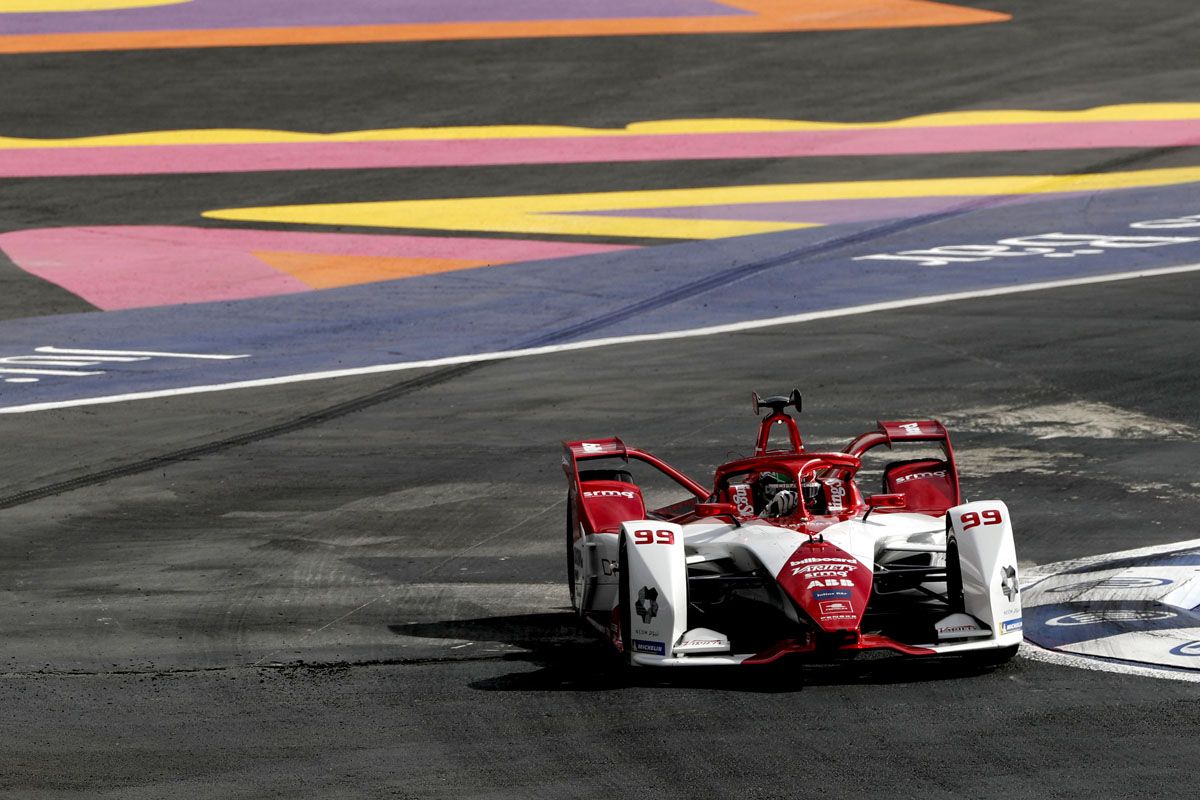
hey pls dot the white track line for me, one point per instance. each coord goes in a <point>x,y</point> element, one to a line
<point>614,340</point>
<point>1034,653</point>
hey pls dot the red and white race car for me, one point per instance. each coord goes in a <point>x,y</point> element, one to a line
<point>784,555</point>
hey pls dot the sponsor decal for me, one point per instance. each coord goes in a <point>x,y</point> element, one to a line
<point>959,629</point>
<point>837,491</point>
<point>1189,649</point>
<point>702,643</point>
<point>1119,615</point>
<point>1118,582</point>
<point>1010,625</point>
<point>592,447</point>
<point>832,594</point>
<point>820,570</point>
<point>1008,583</point>
<point>1190,221</point>
<point>1045,245</point>
<point>647,646</point>
<point>647,603</point>
<point>609,493</point>
<point>824,567</point>
<point>837,616</point>
<point>916,476</point>
<point>820,584</point>
<point>741,498</point>
<point>911,428</point>
<point>829,607</point>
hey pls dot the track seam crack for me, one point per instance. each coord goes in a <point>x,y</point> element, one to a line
<point>311,419</point>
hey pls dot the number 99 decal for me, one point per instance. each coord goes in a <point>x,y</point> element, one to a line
<point>653,537</point>
<point>989,517</point>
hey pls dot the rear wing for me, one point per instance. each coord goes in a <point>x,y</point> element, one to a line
<point>580,452</point>
<point>892,432</point>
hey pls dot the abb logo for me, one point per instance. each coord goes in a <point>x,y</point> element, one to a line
<point>973,520</point>
<point>653,537</point>
<point>912,428</point>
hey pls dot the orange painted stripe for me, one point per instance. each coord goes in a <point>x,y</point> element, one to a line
<point>323,271</point>
<point>767,16</point>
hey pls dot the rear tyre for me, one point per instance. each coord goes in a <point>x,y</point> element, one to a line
<point>623,601</point>
<point>572,524</point>
<point>620,475</point>
<point>954,581</point>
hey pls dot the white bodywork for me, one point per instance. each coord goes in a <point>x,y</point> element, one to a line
<point>657,556</point>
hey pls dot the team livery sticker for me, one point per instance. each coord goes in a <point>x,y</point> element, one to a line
<point>646,646</point>
<point>646,606</point>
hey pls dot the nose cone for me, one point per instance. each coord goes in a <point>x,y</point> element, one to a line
<point>830,585</point>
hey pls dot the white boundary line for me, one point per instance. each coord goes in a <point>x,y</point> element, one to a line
<point>1034,653</point>
<point>734,327</point>
<point>1034,575</point>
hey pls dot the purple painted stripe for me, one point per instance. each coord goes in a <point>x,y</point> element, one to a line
<point>834,212</point>
<point>201,14</point>
<point>140,160</point>
<point>474,311</point>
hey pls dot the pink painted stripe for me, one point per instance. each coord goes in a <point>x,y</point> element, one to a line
<point>116,266</point>
<point>159,159</point>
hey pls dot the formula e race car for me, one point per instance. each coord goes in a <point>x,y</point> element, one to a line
<point>784,555</point>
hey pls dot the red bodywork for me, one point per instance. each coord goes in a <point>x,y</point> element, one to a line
<point>828,584</point>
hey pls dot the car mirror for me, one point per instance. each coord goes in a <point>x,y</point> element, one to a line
<point>887,501</point>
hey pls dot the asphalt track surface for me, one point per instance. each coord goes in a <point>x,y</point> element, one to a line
<point>352,588</point>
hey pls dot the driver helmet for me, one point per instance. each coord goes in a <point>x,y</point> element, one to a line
<point>811,490</point>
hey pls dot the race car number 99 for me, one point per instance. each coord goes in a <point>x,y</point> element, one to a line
<point>653,537</point>
<point>971,519</point>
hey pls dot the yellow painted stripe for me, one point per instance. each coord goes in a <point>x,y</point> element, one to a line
<point>44,6</point>
<point>566,214</point>
<point>1145,112</point>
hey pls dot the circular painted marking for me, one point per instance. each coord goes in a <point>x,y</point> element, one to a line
<point>1135,610</point>
<point>1112,583</point>
<point>44,6</point>
<point>1097,617</point>
<point>1189,649</point>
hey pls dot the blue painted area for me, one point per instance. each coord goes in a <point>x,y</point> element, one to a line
<point>570,300</point>
<point>1062,624</point>
<point>1183,558</point>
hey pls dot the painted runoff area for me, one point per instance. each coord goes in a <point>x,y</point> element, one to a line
<point>691,289</point>
<point>1134,612</point>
